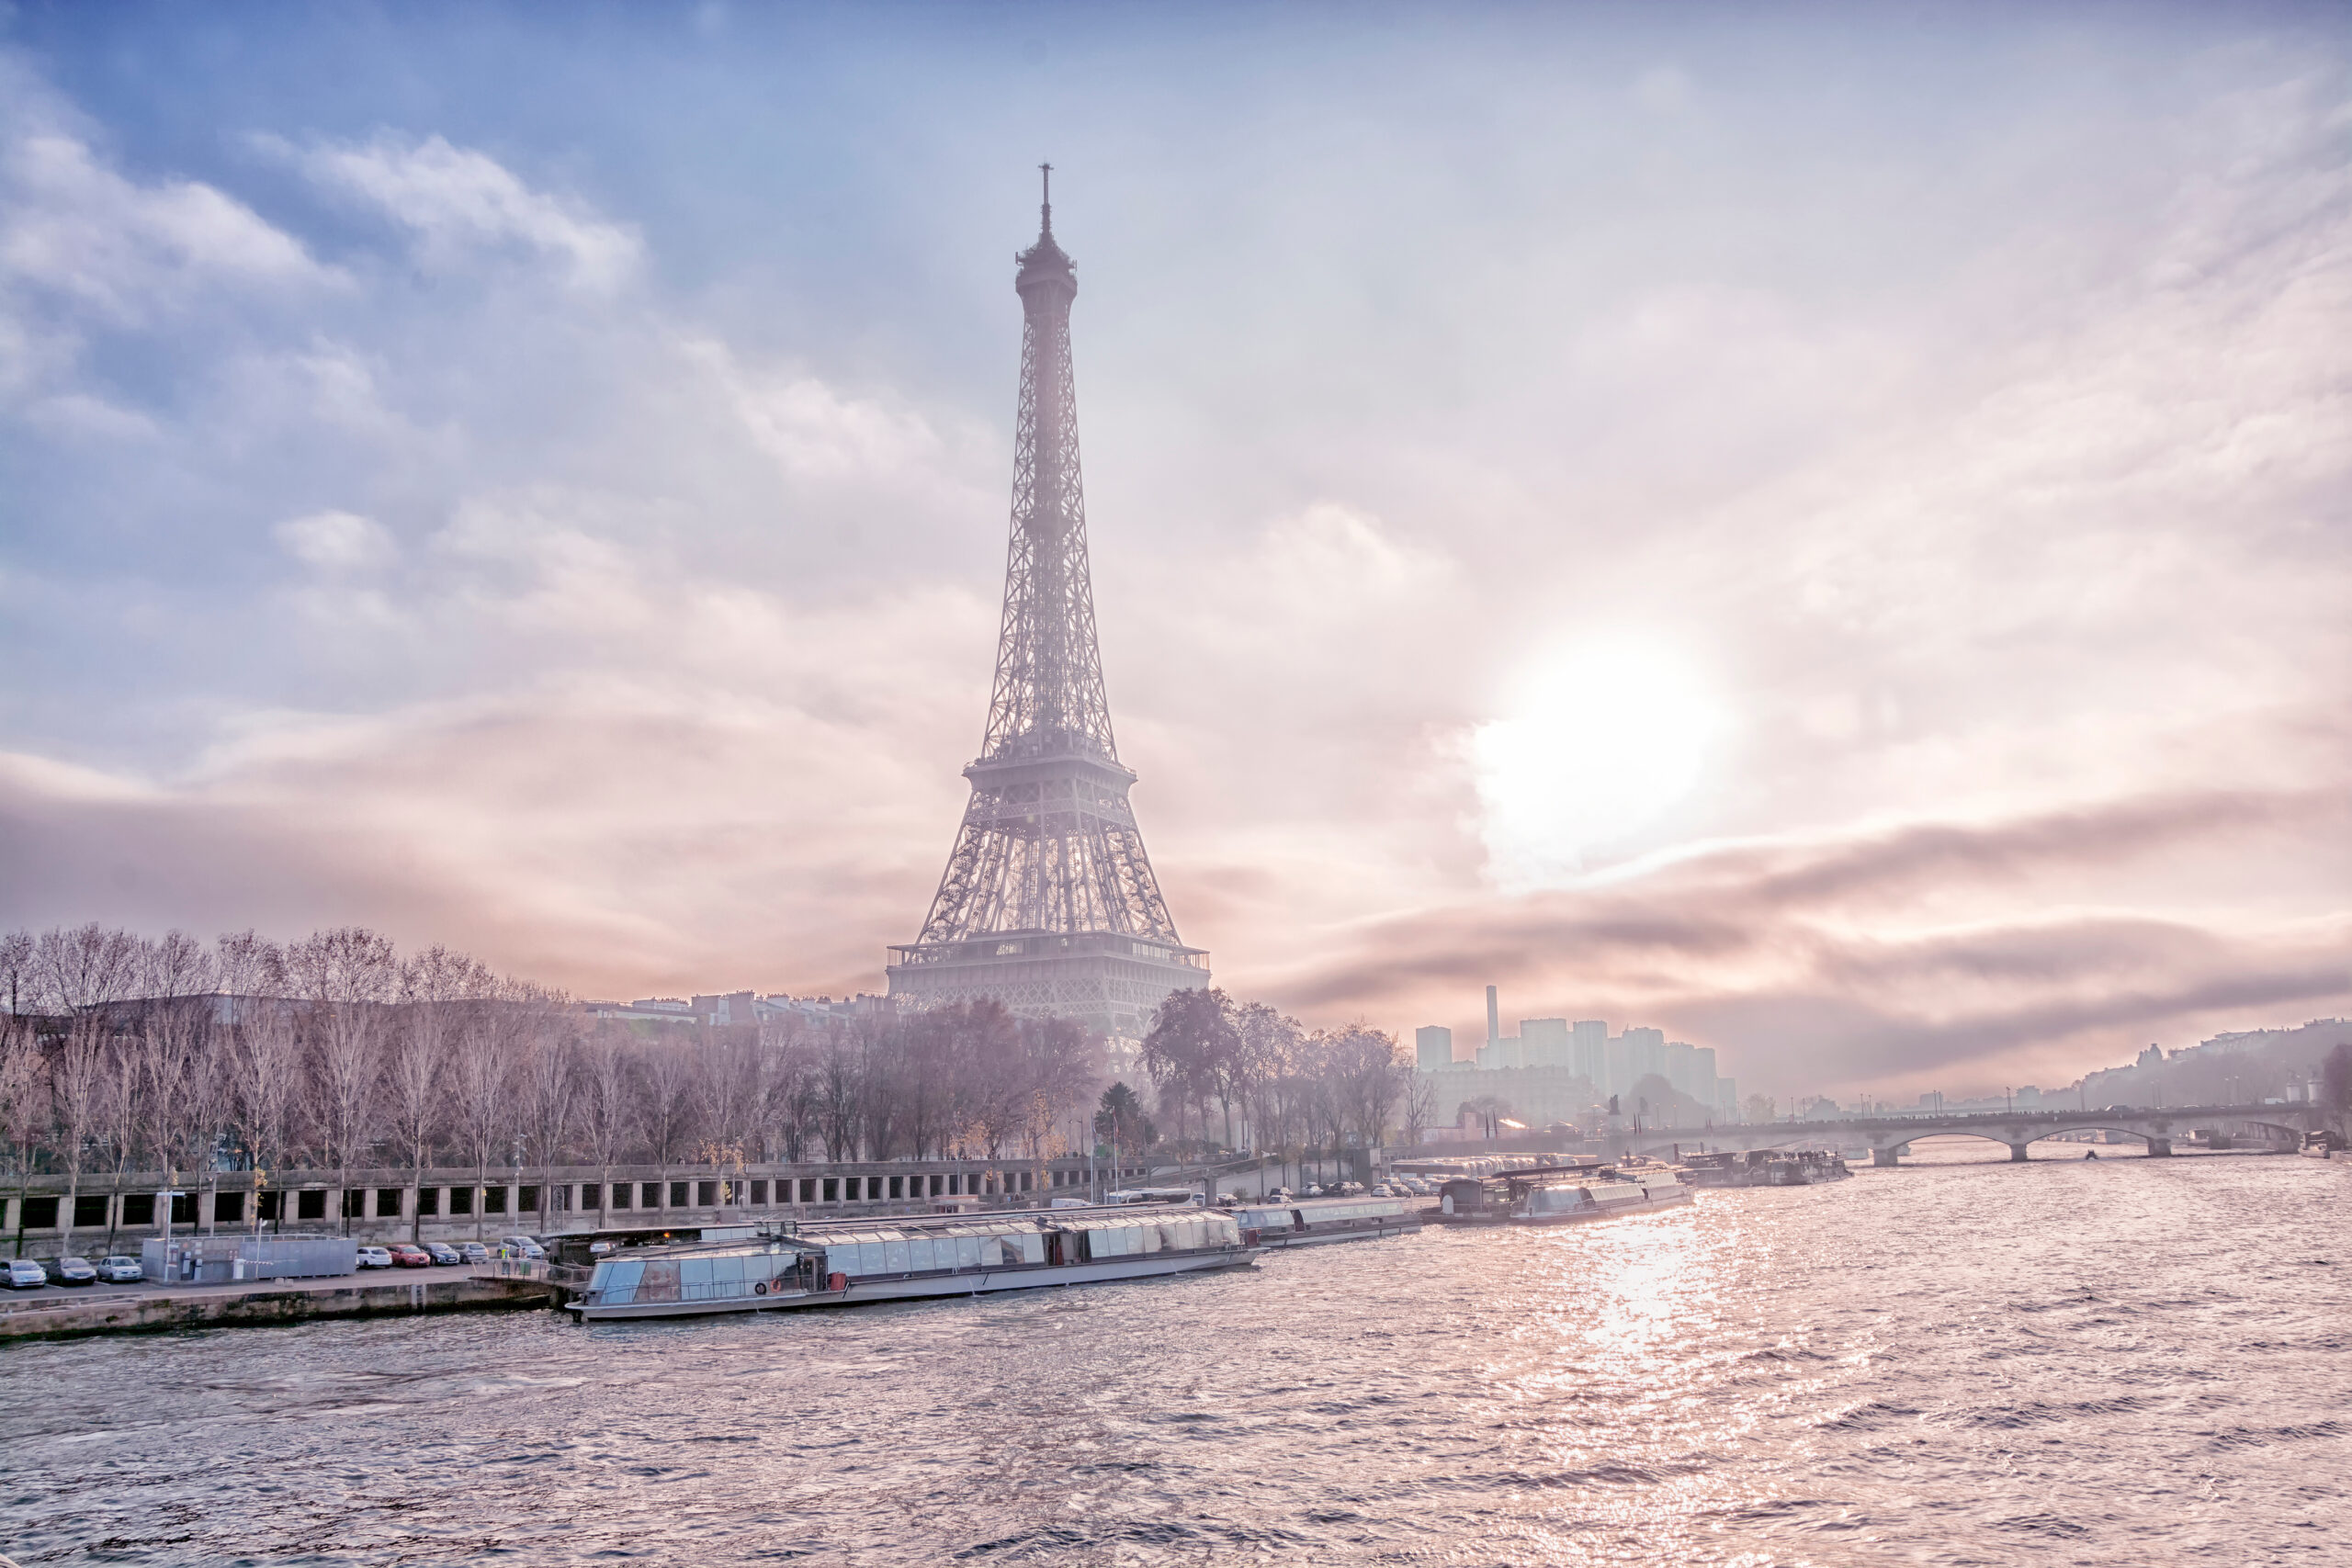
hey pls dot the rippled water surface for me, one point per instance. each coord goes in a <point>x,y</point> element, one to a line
<point>2128,1361</point>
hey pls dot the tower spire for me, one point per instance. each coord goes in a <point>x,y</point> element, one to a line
<point>1048,902</point>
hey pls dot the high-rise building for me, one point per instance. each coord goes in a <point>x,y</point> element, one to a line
<point>1048,902</point>
<point>1543,1042</point>
<point>1433,1047</point>
<point>1682,1067</point>
<point>1616,1077</point>
<point>1644,1055</point>
<point>1588,1050</point>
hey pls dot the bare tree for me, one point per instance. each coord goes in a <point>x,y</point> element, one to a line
<point>262,1054</point>
<point>490,1036</point>
<point>840,1086</point>
<point>1420,1109</point>
<point>666,1071</point>
<point>24,1103</point>
<point>344,978</point>
<point>609,1098</point>
<point>550,1084</point>
<point>83,972</point>
<point>1190,1048</point>
<point>793,1090</point>
<point>435,988</point>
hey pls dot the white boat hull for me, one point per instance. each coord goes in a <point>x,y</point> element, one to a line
<point>1036,1277</point>
<point>1280,1240</point>
<point>1583,1217</point>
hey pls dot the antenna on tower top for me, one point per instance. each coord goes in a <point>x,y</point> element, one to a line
<point>1046,210</point>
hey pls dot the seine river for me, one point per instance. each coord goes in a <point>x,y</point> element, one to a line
<point>2126,1362</point>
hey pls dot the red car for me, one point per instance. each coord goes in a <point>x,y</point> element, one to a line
<point>407,1257</point>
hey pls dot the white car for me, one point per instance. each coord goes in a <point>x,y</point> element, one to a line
<point>521,1246</point>
<point>26,1274</point>
<point>120,1270</point>
<point>374,1257</point>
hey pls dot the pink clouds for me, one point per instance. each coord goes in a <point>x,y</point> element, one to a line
<point>1978,514</point>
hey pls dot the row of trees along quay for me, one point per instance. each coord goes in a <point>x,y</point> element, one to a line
<point>122,1056</point>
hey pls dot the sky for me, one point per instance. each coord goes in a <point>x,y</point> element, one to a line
<point>1820,529</point>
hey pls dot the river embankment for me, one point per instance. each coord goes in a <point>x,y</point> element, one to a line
<point>56,1314</point>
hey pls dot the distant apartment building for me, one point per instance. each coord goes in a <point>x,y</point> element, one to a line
<point>1544,1042</point>
<point>1556,1070</point>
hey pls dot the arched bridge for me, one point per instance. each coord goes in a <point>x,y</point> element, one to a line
<point>1887,1136</point>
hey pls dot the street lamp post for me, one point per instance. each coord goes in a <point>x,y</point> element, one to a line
<point>168,1196</point>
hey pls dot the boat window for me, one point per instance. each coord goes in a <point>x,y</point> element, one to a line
<point>615,1283</point>
<point>694,1271</point>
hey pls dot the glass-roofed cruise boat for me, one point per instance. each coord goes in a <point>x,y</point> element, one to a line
<point>843,1262</point>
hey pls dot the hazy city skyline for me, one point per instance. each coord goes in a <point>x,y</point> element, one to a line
<point>1823,534</point>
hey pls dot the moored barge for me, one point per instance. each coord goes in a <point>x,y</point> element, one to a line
<point>1766,1168</point>
<point>1558,1196</point>
<point>1311,1222</point>
<point>846,1263</point>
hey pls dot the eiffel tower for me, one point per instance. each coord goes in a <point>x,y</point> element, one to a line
<point>1048,903</point>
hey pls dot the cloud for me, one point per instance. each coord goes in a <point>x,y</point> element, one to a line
<point>76,228</point>
<point>1834,959</point>
<point>460,203</point>
<point>86,249</point>
<point>609,582</point>
<point>337,542</point>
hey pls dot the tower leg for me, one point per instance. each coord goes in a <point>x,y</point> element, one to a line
<point>2017,1154</point>
<point>1884,1158</point>
<point>2159,1148</point>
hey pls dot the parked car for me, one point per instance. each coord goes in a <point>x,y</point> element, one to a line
<point>473,1252</point>
<point>441,1253</point>
<point>521,1246</point>
<point>374,1257</point>
<point>407,1257</point>
<point>120,1270</point>
<point>26,1274</point>
<point>69,1270</point>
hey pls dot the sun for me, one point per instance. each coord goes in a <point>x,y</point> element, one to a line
<point>1603,735</point>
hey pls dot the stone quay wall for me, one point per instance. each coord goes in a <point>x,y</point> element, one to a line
<point>116,1216</point>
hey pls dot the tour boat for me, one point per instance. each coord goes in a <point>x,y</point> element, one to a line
<point>846,1263</point>
<point>1557,1196</point>
<point>1310,1222</point>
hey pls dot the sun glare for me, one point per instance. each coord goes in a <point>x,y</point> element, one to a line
<point>1603,738</point>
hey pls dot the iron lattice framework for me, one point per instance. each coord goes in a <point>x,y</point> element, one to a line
<point>1048,902</point>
